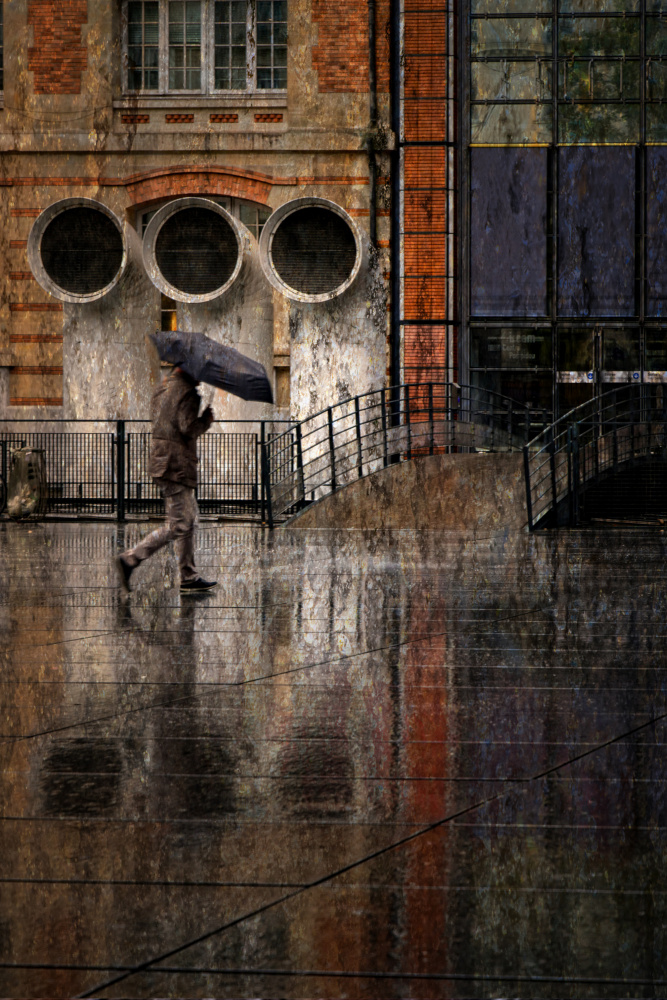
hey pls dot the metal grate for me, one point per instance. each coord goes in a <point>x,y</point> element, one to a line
<point>82,250</point>
<point>196,250</point>
<point>314,251</point>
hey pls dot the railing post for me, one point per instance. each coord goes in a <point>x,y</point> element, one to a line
<point>266,482</point>
<point>357,423</point>
<point>407,421</point>
<point>383,405</point>
<point>331,449</point>
<point>430,417</point>
<point>120,470</point>
<point>299,465</point>
<point>575,473</point>
<point>552,466</point>
<point>262,443</point>
<point>529,498</point>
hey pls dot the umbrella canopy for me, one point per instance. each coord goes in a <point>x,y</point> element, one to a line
<point>205,360</point>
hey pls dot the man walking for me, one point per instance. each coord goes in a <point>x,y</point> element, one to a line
<point>173,466</point>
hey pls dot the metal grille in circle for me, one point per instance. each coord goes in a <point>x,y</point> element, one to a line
<point>81,250</point>
<point>196,250</point>
<point>314,250</point>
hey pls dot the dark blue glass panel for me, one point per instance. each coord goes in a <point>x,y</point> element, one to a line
<point>508,233</point>
<point>596,231</point>
<point>656,231</point>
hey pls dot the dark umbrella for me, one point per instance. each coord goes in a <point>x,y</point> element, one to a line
<point>207,361</point>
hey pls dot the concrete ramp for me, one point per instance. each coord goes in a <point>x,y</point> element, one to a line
<point>474,491</point>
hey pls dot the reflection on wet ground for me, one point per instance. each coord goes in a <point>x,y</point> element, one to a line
<point>367,765</point>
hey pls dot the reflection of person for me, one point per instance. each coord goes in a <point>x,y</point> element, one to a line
<point>173,466</point>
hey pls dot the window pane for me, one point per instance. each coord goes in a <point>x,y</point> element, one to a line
<point>176,34</point>
<point>598,6</point>
<point>656,231</point>
<point>134,57</point>
<point>656,81</point>
<point>511,123</point>
<point>263,10</point>
<point>656,36</point>
<point>192,58</point>
<point>152,80</point>
<point>598,36</point>
<point>193,79</point>
<point>656,122</point>
<point>134,11</point>
<point>620,349</point>
<point>134,34</point>
<point>193,34</point>
<point>264,79</point>
<point>134,79</point>
<point>598,80</point>
<point>239,11</point>
<point>263,34</point>
<point>193,11</point>
<point>511,81</point>
<point>151,12</point>
<point>512,37</point>
<point>222,57</point>
<point>176,10</point>
<point>280,32</point>
<point>238,34</point>
<point>238,79</point>
<point>280,79</point>
<point>598,123</point>
<point>280,57</point>
<point>263,57</point>
<point>176,79</point>
<point>238,58</point>
<point>656,350</point>
<point>151,34</point>
<point>280,10</point>
<point>575,350</point>
<point>511,6</point>
<point>509,347</point>
<point>151,57</point>
<point>175,57</point>
<point>596,231</point>
<point>222,34</point>
<point>508,235</point>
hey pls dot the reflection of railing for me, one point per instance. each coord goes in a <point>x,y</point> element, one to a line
<point>342,443</point>
<point>626,424</point>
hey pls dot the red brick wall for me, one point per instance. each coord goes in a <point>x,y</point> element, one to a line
<point>57,57</point>
<point>341,54</point>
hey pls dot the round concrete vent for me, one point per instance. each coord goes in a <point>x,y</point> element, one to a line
<point>193,249</point>
<point>310,250</point>
<point>76,250</point>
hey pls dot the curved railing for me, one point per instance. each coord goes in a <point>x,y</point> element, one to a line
<point>359,436</point>
<point>620,426</point>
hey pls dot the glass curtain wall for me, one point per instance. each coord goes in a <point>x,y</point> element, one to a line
<point>567,184</point>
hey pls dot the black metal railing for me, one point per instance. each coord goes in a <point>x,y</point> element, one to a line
<point>100,468</point>
<point>269,470</point>
<point>359,436</point>
<point>624,425</point>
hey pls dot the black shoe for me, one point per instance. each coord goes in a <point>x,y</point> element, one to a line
<point>125,571</point>
<point>198,585</point>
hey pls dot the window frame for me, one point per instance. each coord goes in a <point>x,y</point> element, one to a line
<point>207,89</point>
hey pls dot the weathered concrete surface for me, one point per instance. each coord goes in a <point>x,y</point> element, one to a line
<point>338,348</point>
<point>434,491</point>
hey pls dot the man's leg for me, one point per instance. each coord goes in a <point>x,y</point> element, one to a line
<point>181,511</point>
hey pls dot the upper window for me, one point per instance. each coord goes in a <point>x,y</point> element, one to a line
<point>205,46</point>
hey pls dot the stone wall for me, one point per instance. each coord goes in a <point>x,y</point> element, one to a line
<point>453,492</point>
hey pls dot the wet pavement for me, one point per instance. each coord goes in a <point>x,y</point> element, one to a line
<point>369,764</point>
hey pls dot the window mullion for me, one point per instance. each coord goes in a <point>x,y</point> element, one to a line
<point>251,48</point>
<point>164,47</point>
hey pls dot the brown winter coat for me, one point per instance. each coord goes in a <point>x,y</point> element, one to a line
<point>176,427</point>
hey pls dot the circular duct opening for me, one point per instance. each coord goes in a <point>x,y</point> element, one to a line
<point>193,249</point>
<point>311,250</point>
<point>76,250</point>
